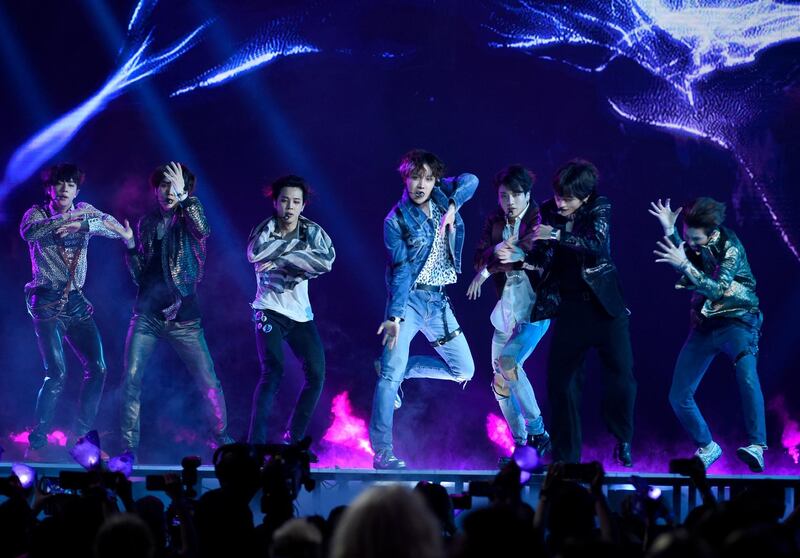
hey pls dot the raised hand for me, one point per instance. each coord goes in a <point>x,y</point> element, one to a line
<point>671,254</point>
<point>125,232</point>
<point>174,175</point>
<point>665,215</point>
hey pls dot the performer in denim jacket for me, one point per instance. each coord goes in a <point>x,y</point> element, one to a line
<point>166,261</point>
<point>58,236</point>
<point>424,236</point>
<point>500,255</point>
<point>725,318</point>
<point>287,250</point>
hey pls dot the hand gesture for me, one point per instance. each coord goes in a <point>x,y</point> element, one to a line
<point>542,232</point>
<point>474,290</point>
<point>665,215</point>
<point>125,232</point>
<point>390,332</point>
<point>448,220</point>
<point>71,226</point>
<point>174,176</point>
<point>671,254</point>
<point>509,252</point>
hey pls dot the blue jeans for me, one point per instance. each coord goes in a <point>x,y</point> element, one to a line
<point>519,407</point>
<point>431,314</point>
<point>739,341</point>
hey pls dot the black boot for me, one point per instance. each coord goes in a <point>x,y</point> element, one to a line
<point>622,454</point>
<point>385,459</point>
<point>540,442</point>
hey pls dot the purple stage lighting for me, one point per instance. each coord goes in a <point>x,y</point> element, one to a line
<point>86,451</point>
<point>527,458</point>
<point>25,474</point>
<point>121,464</point>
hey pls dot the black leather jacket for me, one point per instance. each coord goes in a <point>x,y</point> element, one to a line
<point>590,239</point>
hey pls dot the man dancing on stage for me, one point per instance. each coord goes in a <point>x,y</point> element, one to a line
<point>725,318</point>
<point>166,261</point>
<point>424,236</point>
<point>591,312</point>
<point>58,239</point>
<point>287,250</point>
<point>500,256</point>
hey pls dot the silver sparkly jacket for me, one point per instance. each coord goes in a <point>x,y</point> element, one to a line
<point>184,253</point>
<point>725,285</point>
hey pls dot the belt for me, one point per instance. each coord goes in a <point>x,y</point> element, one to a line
<point>430,288</point>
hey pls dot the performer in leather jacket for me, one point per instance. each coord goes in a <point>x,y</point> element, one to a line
<point>725,318</point>
<point>582,290</point>
<point>166,261</point>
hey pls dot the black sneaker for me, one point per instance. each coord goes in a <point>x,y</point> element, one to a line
<point>622,454</point>
<point>540,442</point>
<point>385,459</point>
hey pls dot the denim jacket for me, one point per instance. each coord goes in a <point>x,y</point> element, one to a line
<point>184,253</point>
<point>725,286</point>
<point>408,235</point>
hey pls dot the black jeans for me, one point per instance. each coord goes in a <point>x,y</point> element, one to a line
<point>582,324</point>
<point>72,321</point>
<point>303,338</point>
<point>189,341</point>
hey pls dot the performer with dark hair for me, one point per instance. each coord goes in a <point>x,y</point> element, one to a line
<point>500,254</point>
<point>424,236</point>
<point>58,239</point>
<point>166,261</point>
<point>584,286</point>
<point>287,250</point>
<point>725,318</point>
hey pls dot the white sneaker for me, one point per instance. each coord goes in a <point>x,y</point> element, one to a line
<point>709,454</point>
<point>753,456</point>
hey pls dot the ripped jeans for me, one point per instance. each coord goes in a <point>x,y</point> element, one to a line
<point>430,313</point>
<point>515,395</point>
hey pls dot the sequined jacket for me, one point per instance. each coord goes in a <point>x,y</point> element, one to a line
<point>47,249</point>
<point>184,253</point>
<point>725,285</point>
<point>590,239</point>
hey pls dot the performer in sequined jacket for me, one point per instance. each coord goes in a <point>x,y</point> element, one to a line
<point>166,260</point>
<point>58,234</point>
<point>725,318</point>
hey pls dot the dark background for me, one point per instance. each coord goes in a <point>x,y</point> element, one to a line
<point>342,118</point>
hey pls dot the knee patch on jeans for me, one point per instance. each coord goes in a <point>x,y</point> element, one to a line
<point>500,388</point>
<point>508,369</point>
